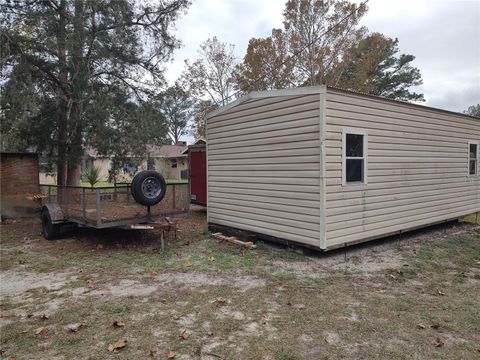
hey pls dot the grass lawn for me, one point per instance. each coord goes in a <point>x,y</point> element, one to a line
<point>201,299</point>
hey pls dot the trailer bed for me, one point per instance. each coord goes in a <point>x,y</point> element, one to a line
<point>111,206</point>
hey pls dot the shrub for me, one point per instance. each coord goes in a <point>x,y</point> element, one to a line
<point>92,174</point>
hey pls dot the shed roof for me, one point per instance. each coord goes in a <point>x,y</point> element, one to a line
<point>308,90</point>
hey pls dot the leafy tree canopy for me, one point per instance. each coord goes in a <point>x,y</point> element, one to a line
<point>322,43</point>
<point>86,67</point>
<point>473,110</point>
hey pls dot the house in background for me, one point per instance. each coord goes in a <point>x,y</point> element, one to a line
<point>169,160</point>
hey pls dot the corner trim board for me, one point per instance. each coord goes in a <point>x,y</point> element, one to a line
<point>323,180</point>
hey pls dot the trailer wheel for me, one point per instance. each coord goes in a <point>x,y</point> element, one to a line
<point>50,230</point>
<point>148,187</point>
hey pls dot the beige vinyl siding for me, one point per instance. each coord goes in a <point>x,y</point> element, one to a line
<point>417,168</point>
<point>264,166</point>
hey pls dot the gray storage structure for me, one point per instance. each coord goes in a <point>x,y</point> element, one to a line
<point>326,167</point>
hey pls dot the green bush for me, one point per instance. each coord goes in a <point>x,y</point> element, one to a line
<point>92,175</point>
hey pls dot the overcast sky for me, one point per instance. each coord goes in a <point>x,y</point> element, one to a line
<point>444,35</point>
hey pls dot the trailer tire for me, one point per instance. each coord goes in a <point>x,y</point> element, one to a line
<point>50,231</point>
<point>148,187</point>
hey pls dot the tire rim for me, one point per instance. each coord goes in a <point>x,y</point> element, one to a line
<point>151,187</point>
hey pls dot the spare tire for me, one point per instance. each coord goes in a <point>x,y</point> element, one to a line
<point>148,187</point>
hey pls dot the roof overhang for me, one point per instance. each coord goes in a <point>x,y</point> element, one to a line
<point>320,89</point>
<point>307,90</point>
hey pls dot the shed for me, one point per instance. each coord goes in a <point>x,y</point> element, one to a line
<point>18,183</point>
<point>197,171</point>
<point>325,167</point>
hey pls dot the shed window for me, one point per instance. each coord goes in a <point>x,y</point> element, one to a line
<point>174,163</point>
<point>472,159</point>
<point>354,158</point>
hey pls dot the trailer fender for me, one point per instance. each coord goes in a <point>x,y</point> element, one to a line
<point>55,211</point>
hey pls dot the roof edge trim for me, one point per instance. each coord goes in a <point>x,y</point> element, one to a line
<point>307,90</point>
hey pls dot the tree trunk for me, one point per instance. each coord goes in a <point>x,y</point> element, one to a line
<point>62,102</point>
<point>74,175</point>
<point>79,77</point>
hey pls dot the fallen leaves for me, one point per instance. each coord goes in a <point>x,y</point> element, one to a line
<point>184,335</point>
<point>153,273</point>
<point>440,292</point>
<point>438,342</point>
<point>187,264</point>
<point>118,323</point>
<point>6,314</point>
<point>75,327</point>
<point>289,303</point>
<point>171,355</point>
<point>40,330</point>
<point>421,326</point>
<point>211,258</point>
<point>118,345</point>
<point>220,300</point>
<point>209,333</point>
<point>44,317</point>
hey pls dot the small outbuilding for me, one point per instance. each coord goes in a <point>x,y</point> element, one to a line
<point>325,168</point>
<point>197,171</point>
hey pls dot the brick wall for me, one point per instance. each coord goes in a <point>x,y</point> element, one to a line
<point>18,177</point>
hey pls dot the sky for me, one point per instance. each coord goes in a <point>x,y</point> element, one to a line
<point>443,35</point>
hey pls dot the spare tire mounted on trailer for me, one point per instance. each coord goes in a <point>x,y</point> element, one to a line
<point>148,187</point>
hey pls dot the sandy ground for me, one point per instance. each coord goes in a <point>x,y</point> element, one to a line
<point>269,303</point>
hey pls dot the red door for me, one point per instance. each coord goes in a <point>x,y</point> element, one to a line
<point>198,177</point>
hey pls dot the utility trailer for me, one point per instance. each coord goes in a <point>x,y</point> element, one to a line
<point>147,199</point>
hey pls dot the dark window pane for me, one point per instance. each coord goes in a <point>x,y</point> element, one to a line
<point>354,170</point>
<point>472,167</point>
<point>354,145</point>
<point>473,151</point>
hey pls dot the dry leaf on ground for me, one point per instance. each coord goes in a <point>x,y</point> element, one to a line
<point>440,292</point>
<point>209,333</point>
<point>438,342</point>
<point>211,258</point>
<point>118,345</point>
<point>184,335</point>
<point>220,299</point>
<point>187,264</point>
<point>40,330</point>
<point>421,326</point>
<point>75,327</point>
<point>44,317</point>
<point>118,323</point>
<point>289,303</point>
<point>171,355</point>
<point>6,314</point>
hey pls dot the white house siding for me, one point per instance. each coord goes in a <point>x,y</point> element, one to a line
<point>264,166</point>
<point>417,168</point>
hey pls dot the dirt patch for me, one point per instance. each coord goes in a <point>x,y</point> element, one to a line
<point>14,283</point>
<point>372,256</point>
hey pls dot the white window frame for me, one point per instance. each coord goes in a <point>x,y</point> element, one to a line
<point>355,131</point>
<point>470,142</point>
